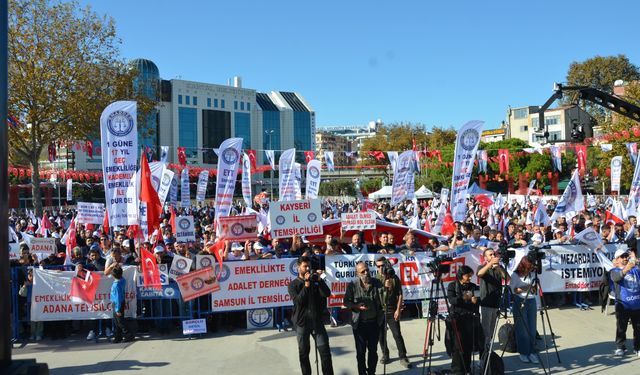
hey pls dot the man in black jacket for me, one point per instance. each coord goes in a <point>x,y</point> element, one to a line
<point>309,294</point>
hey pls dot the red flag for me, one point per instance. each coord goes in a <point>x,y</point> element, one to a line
<point>150,272</point>
<point>89,145</point>
<point>484,200</point>
<point>438,153</point>
<point>503,159</point>
<point>253,159</point>
<point>44,225</point>
<point>379,155</point>
<point>581,153</point>
<point>84,286</point>
<point>52,151</point>
<point>448,227</point>
<point>70,240</point>
<point>427,225</point>
<point>89,226</point>
<point>217,249</point>
<point>105,223</point>
<point>149,196</point>
<point>308,156</point>
<point>133,231</point>
<point>413,144</point>
<point>610,218</point>
<point>182,156</point>
<point>172,220</point>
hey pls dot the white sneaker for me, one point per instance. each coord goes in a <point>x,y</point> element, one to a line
<point>108,332</point>
<point>91,336</point>
<point>619,352</point>
<point>533,358</point>
<point>524,358</point>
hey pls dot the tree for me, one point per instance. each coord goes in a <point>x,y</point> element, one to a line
<point>63,71</point>
<point>600,72</point>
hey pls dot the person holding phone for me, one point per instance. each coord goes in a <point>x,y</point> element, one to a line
<point>364,298</point>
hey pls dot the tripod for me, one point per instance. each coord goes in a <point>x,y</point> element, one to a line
<point>502,312</point>
<point>437,287</point>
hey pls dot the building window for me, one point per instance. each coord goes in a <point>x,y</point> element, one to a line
<point>209,102</point>
<point>195,100</point>
<point>242,106</point>
<point>188,100</point>
<point>524,128</point>
<point>215,103</point>
<point>552,120</point>
<point>248,106</point>
<point>520,113</point>
<point>179,99</point>
<point>221,103</point>
<point>243,129</point>
<point>187,129</point>
<point>235,105</point>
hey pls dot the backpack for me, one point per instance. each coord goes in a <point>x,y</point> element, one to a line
<point>507,337</point>
<point>496,366</point>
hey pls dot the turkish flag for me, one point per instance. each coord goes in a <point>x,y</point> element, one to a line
<point>484,200</point>
<point>89,145</point>
<point>581,153</point>
<point>182,156</point>
<point>150,272</point>
<point>503,159</point>
<point>172,220</point>
<point>308,156</point>
<point>379,155</point>
<point>253,159</point>
<point>45,225</point>
<point>149,195</point>
<point>217,249</point>
<point>610,218</point>
<point>84,286</point>
<point>427,225</point>
<point>105,223</point>
<point>448,227</point>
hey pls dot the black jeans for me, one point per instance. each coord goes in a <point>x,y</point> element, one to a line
<point>122,327</point>
<point>366,336</point>
<point>462,344</point>
<point>394,327</point>
<point>622,320</point>
<point>321,338</point>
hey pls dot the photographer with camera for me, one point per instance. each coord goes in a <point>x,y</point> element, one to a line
<point>309,294</point>
<point>392,305</point>
<point>464,311</point>
<point>524,308</point>
<point>364,298</point>
<point>491,275</point>
<point>625,276</point>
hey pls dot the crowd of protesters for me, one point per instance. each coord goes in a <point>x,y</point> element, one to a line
<point>507,222</point>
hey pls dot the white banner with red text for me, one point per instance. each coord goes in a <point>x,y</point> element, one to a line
<point>51,297</point>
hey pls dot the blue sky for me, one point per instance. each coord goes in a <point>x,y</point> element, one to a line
<point>436,63</point>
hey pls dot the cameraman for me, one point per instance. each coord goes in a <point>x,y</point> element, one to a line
<point>309,294</point>
<point>491,275</point>
<point>392,306</point>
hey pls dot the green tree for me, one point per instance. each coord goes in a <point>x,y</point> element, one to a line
<point>64,70</point>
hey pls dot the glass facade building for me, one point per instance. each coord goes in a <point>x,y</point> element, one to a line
<point>216,127</point>
<point>188,130</point>
<point>243,128</point>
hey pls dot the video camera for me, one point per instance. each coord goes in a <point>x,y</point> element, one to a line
<point>387,270</point>
<point>536,255</point>
<point>504,254</point>
<point>440,264</point>
<point>317,263</point>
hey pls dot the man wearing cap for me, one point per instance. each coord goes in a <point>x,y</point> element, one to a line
<point>236,253</point>
<point>161,256</point>
<point>626,280</point>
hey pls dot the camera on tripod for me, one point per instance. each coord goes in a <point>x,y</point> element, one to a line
<point>504,254</point>
<point>536,255</point>
<point>440,264</point>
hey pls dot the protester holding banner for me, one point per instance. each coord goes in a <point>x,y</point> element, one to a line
<point>626,279</point>
<point>392,303</point>
<point>309,294</point>
<point>524,309</point>
<point>465,321</point>
<point>364,298</point>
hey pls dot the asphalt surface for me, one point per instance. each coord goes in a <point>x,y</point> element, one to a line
<point>584,339</point>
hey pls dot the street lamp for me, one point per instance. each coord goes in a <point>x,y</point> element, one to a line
<point>269,133</point>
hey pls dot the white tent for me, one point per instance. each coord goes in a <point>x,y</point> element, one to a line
<point>423,193</point>
<point>385,192</point>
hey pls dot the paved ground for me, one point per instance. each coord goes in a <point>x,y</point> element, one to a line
<point>585,345</point>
